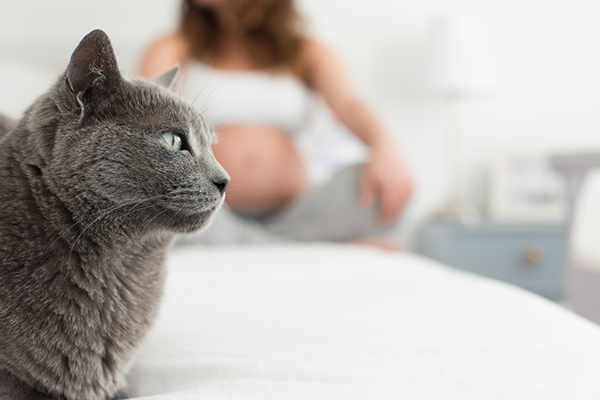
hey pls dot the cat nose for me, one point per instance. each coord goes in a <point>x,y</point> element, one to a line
<point>221,184</point>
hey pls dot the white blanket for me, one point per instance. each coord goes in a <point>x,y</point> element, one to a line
<point>329,322</point>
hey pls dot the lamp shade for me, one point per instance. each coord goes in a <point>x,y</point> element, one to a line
<point>462,61</point>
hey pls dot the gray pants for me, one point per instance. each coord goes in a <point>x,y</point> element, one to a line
<point>330,212</point>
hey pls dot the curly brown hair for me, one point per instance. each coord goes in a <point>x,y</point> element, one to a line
<point>271,29</point>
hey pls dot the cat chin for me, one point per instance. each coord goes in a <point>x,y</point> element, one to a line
<point>185,220</point>
<point>191,223</point>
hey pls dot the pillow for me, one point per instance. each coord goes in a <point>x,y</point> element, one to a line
<point>585,251</point>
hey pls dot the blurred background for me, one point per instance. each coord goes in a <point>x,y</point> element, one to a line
<point>493,152</point>
<point>547,56</point>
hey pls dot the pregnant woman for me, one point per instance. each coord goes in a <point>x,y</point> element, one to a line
<point>249,69</point>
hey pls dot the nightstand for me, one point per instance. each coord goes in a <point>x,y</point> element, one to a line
<point>530,256</point>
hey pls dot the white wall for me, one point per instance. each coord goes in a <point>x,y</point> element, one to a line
<point>548,53</point>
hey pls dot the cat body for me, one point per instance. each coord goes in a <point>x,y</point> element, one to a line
<point>92,194</point>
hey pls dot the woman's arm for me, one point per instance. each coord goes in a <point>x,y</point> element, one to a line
<point>163,55</point>
<point>386,174</point>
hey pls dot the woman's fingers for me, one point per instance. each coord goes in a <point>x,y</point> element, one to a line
<point>390,185</point>
<point>395,193</point>
<point>368,189</point>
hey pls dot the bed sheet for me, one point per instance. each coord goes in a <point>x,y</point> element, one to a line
<point>328,322</point>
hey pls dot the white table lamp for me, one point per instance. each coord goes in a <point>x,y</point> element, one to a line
<point>462,65</point>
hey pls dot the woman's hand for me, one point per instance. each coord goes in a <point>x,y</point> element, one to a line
<point>386,178</point>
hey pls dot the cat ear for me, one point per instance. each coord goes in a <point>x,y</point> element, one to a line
<point>168,79</point>
<point>93,67</point>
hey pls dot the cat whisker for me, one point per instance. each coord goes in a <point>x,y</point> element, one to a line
<point>179,81</point>
<point>212,101</point>
<point>153,218</point>
<point>104,214</point>
<point>170,219</point>
<point>191,87</point>
<point>135,202</point>
<point>201,90</point>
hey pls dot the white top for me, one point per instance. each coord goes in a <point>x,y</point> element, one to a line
<point>246,97</point>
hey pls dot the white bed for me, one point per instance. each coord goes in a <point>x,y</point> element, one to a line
<point>329,322</point>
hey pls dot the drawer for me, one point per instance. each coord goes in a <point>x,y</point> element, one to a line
<point>534,264</point>
<point>532,257</point>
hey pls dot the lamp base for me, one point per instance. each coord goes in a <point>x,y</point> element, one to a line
<point>460,211</point>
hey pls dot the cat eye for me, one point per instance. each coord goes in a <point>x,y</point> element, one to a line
<point>173,140</point>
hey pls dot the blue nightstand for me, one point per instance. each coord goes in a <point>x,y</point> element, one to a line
<point>530,256</point>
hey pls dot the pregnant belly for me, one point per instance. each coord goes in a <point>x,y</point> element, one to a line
<point>265,167</point>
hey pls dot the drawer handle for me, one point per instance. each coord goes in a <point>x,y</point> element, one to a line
<point>533,255</point>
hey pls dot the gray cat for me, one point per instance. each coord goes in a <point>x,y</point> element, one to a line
<point>96,180</point>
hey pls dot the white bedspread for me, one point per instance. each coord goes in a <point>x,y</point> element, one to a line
<point>332,322</point>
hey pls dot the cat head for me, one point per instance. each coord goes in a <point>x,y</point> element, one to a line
<point>126,152</point>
